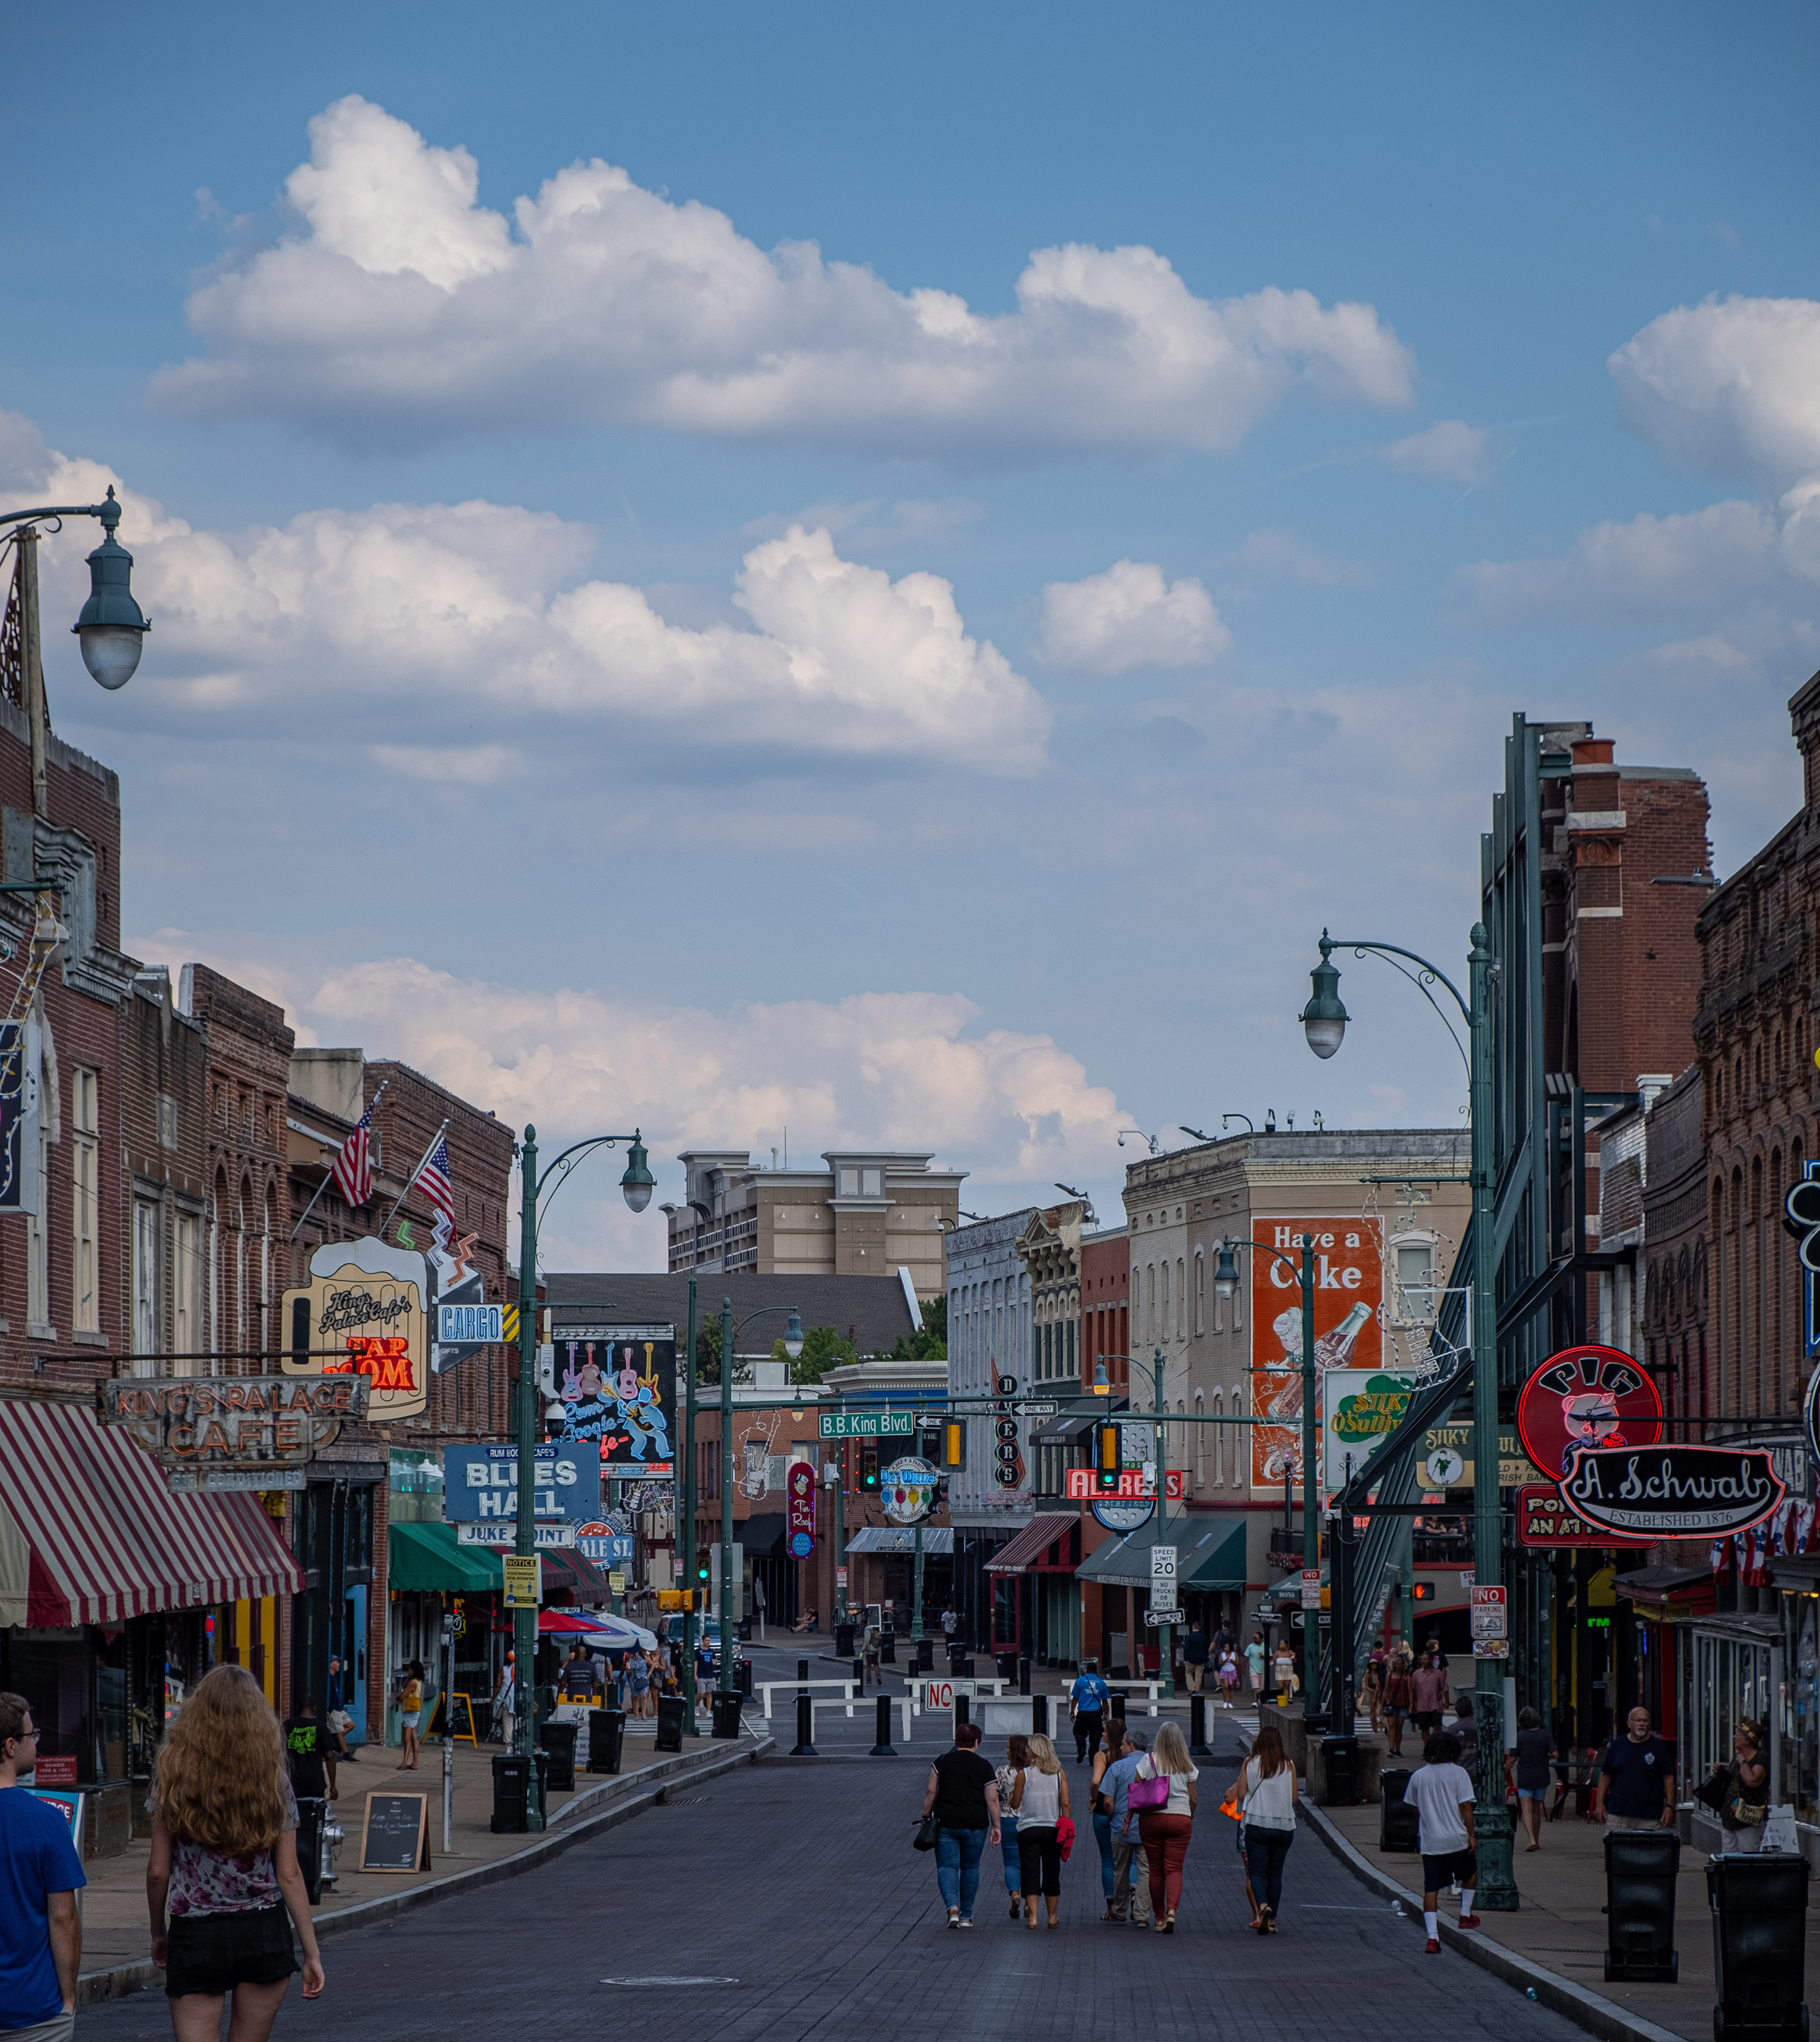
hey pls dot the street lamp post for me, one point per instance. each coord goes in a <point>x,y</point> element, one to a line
<point>1324,1021</point>
<point>1225,1286</point>
<point>637,1185</point>
<point>725,1705</point>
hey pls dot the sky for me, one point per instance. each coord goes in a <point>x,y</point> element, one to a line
<point>792,579</point>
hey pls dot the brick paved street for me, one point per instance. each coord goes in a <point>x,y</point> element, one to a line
<point>795,1880</point>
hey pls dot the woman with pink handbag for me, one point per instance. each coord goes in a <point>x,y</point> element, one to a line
<point>1163,1795</point>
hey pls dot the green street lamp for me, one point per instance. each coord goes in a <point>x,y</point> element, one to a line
<point>1225,1286</point>
<point>1324,1022</point>
<point>536,1192</point>
<point>111,627</point>
<point>726,1702</point>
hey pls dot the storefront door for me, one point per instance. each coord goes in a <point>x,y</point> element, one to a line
<point>354,1661</point>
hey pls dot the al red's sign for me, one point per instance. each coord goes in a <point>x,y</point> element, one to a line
<point>1586,1397</point>
<point>1079,1485</point>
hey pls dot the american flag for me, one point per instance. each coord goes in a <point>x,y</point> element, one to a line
<point>433,1178</point>
<point>352,1168</point>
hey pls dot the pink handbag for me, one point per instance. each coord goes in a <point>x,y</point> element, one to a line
<point>1151,1793</point>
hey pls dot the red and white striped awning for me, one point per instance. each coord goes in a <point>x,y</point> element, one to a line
<point>107,1540</point>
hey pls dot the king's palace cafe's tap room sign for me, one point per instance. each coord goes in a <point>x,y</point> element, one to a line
<point>363,1313</point>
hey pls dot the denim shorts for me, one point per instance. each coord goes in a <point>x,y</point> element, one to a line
<point>213,1953</point>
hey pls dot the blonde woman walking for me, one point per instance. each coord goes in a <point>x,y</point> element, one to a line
<point>224,1874</point>
<point>1039,1799</point>
<point>1164,1791</point>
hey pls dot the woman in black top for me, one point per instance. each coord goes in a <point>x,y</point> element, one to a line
<point>963,1796</point>
<point>1532,1772</point>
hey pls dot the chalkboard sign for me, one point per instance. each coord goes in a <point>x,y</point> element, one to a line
<point>438,1725</point>
<point>396,1835</point>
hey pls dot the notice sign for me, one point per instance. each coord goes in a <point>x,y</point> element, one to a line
<point>394,1835</point>
<point>1490,1613</point>
<point>1311,1588</point>
<point>524,1573</point>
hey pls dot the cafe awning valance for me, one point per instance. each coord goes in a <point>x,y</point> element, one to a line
<point>105,1538</point>
<point>428,1559</point>
<point>1026,1548</point>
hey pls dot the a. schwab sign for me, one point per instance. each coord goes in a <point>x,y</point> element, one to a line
<point>1672,1492</point>
<point>480,1484</point>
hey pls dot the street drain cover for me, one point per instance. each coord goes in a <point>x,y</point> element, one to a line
<point>670,1981</point>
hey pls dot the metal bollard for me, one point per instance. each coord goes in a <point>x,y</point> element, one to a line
<point>1118,1704</point>
<point>1023,1676</point>
<point>963,1710</point>
<point>805,1745</point>
<point>1198,1746</point>
<point>859,1674</point>
<point>802,1675</point>
<point>1039,1715</point>
<point>882,1748</point>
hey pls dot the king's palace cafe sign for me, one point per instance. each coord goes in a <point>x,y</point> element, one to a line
<point>252,1431</point>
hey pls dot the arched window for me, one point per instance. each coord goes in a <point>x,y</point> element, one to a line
<point>1200,1292</point>
<point>1200,1442</point>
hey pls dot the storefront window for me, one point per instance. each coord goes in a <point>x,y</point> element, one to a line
<point>1733,1676</point>
<point>1800,1752</point>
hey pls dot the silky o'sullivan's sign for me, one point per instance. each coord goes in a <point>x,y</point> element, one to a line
<point>362,1313</point>
<point>1672,1492</point>
<point>257,1422</point>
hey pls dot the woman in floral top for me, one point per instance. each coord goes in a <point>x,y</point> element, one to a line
<point>223,1864</point>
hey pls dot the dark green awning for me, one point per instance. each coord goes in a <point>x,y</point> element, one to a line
<point>1209,1557</point>
<point>427,1558</point>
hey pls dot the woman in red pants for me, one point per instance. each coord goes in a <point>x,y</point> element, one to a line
<point>1171,1789</point>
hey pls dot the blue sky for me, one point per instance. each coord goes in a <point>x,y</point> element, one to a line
<point>930,686</point>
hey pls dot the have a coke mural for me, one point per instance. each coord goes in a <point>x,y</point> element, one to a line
<point>1349,1289</point>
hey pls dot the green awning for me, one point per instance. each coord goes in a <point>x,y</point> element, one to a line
<point>1209,1559</point>
<point>428,1558</point>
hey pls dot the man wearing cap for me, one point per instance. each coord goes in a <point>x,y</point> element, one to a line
<point>1087,1705</point>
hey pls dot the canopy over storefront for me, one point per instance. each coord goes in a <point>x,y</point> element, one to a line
<point>1211,1559</point>
<point>1027,1550</point>
<point>428,1559</point>
<point>105,1538</point>
<point>938,1540</point>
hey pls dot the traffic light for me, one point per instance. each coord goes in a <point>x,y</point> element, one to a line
<point>704,1569</point>
<point>953,1442</point>
<point>1108,1457</point>
<point>1424,1592</point>
<point>869,1468</point>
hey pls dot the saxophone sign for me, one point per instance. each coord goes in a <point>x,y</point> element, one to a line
<point>1349,1289</point>
<point>1672,1492</point>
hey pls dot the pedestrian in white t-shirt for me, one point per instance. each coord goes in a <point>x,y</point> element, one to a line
<point>1442,1793</point>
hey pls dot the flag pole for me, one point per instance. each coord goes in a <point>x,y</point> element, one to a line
<point>412,1179</point>
<point>324,1185</point>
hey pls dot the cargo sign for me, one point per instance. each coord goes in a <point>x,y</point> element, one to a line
<point>249,1422</point>
<point>867,1424</point>
<point>1673,1492</point>
<point>480,1484</point>
<point>1543,1520</point>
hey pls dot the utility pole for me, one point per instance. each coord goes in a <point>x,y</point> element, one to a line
<point>685,1530</point>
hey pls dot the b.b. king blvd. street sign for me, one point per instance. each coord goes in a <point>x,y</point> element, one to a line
<point>867,1424</point>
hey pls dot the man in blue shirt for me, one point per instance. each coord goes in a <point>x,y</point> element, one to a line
<point>1130,1865</point>
<point>40,1932</point>
<point>1636,1787</point>
<point>1087,1704</point>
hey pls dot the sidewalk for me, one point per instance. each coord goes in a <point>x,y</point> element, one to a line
<point>1558,1926</point>
<point>117,1936</point>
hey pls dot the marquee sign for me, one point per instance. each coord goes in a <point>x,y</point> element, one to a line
<point>366,1299</point>
<point>618,1387</point>
<point>1673,1492</point>
<point>1585,1396</point>
<point>258,1424</point>
<point>1543,1520</point>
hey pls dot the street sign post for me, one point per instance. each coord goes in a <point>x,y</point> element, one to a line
<point>1311,1588</point>
<point>867,1424</point>
<point>1163,1575</point>
<point>1490,1620</point>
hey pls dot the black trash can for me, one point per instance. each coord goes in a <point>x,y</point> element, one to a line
<point>745,1629</point>
<point>312,1812</point>
<point>606,1738</point>
<point>559,1741</point>
<point>1340,1756</point>
<point>726,1714</point>
<point>1399,1827</point>
<point>511,1784</point>
<point>1006,1663</point>
<point>670,1725</point>
<point>888,1646</point>
<point>1039,1715</point>
<point>1759,1903</point>
<point>844,1641</point>
<point>1641,1869</point>
<point>925,1655</point>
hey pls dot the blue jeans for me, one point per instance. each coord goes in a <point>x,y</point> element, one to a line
<point>1103,1835</point>
<point>957,1853</point>
<point>1265,1850</point>
<point>1008,1845</point>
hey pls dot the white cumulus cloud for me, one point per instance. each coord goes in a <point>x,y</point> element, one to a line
<point>1129,616</point>
<point>1451,449</point>
<point>1730,386</point>
<point>400,308</point>
<point>474,607</point>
